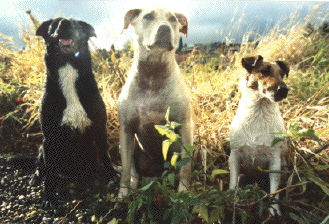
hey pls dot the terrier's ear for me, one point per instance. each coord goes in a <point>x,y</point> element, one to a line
<point>284,67</point>
<point>130,15</point>
<point>183,22</point>
<point>43,28</point>
<point>252,63</point>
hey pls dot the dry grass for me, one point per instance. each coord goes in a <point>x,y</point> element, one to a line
<point>215,92</point>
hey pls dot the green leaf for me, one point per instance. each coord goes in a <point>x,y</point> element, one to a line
<point>132,208</point>
<point>296,218</point>
<point>147,186</point>
<point>113,221</point>
<point>174,125</point>
<point>213,216</point>
<point>183,162</point>
<point>318,181</point>
<point>310,133</point>
<point>190,149</point>
<point>93,218</point>
<point>163,130</point>
<point>167,214</point>
<point>166,165</point>
<point>321,167</point>
<point>174,158</point>
<point>203,211</point>
<point>215,172</point>
<point>165,148</point>
<point>171,179</point>
<point>167,115</point>
<point>243,214</point>
<point>31,214</point>
<point>277,140</point>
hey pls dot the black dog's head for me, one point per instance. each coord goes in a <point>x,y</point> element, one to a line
<point>66,36</point>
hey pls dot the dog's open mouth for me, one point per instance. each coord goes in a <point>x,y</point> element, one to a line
<point>65,42</point>
<point>67,46</point>
<point>161,45</point>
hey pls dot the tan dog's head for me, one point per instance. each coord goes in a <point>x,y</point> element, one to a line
<point>266,78</point>
<point>156,29</point>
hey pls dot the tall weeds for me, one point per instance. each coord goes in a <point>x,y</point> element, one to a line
<point>215,91</point>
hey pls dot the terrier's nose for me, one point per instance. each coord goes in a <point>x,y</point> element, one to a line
<point>282,92</point>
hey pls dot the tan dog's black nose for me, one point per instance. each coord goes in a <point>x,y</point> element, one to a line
<point>163,38</point>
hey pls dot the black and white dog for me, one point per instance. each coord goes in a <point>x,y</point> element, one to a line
<point>73,114</point>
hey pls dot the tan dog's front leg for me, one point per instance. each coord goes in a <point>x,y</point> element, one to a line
<point>185,172</point>
<point>127,152</point>
<point>234,165</point>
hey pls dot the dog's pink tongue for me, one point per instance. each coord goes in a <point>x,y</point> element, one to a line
<point>65,41</point>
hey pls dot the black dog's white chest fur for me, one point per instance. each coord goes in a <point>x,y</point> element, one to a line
<point>74,114</point>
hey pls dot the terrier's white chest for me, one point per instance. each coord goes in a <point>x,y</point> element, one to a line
<point>252,133</point>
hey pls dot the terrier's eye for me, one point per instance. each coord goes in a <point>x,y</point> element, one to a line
<point>149,16</point>
<point>254,85</point>
<point>172,19</point>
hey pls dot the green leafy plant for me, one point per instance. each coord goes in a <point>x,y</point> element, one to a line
<point>295,131</point>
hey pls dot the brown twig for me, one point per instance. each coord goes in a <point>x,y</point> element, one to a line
<point>68,214</point>
<point>276,192</point>
<point>315,152</point>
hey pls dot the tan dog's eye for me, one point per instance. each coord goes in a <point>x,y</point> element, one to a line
<point>149,16</point>
<point>172,19</point>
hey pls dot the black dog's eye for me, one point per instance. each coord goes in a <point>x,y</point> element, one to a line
<point>172,19</point>
<point>149,16</point>
<point>266,71</point>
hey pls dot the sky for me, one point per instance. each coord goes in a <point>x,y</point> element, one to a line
<point>209,20</point>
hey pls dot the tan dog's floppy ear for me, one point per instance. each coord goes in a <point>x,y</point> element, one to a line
<point>284,67</point>
<point>251,63</point>
<point>130,15</point>
<point>183,21</point>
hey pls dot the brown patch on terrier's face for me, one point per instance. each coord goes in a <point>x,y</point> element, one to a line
<point>266,77</point>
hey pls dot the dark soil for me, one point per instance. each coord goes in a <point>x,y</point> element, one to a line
<point>22,203</point>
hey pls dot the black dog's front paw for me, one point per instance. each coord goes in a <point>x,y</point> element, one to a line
<point>36,179</point>
<point>54,206</point>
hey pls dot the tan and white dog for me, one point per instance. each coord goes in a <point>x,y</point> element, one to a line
<point>258,121</point>
<point>153,84</point>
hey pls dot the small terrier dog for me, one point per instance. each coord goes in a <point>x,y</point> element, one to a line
<point>258,121</point>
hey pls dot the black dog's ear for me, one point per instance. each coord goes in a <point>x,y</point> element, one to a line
<point>87,28</point>
<point>43,28</point>
<point>284,67</point>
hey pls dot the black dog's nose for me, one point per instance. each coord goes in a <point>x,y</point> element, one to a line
<point>281,93</point>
